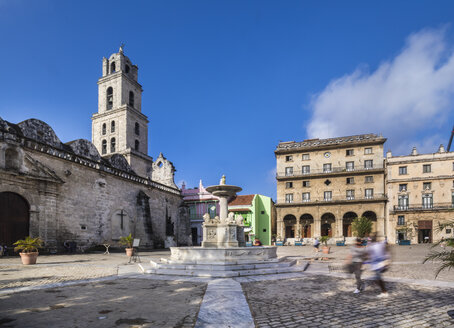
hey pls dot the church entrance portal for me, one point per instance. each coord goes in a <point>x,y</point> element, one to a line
<point>14,218</point>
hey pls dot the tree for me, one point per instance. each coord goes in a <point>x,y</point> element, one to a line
<point>362,226</point>
<point>445,256</point>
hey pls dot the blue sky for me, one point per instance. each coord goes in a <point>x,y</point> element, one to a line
<point>225,81</point>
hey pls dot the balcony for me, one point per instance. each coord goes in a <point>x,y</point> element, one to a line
<point>425,207</point>
<point>335,200</point>
<point>332,171</point>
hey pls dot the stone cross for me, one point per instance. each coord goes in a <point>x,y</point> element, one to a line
<point>121,214</point>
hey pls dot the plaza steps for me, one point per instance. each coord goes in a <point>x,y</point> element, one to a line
<point>222,270</point>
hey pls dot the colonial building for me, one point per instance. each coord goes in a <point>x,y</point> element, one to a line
<point>421,195</point>
<point>91,192</point>
<point>323,184</point>
<point>199,201</point>
<point>258,212</point>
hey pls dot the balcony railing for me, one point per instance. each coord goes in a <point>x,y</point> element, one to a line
<point>335,200</point>
<point>423,207</point>
<point>301,173</point>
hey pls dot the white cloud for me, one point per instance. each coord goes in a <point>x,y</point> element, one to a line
<point>410,93</point>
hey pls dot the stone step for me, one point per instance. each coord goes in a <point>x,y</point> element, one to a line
<point>219,267</point>
<point>211,262</point>
<point>221,274</point>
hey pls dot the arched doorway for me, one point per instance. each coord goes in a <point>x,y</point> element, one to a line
<point>289,223</point>
<point>306,221</point>
<point>328,220</point>
<point>347,223</point>
<point>14,218</point>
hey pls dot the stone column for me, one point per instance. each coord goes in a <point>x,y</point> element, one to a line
<point>223,208</point>
<point>381,228</point>
<point>317,227</point>
<point>298,229</point>
<point>340,227</point>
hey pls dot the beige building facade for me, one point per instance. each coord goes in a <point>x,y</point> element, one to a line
<point>323,184</point>
<point>420,190</point>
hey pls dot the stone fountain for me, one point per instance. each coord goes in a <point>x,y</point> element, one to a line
<point>223,252</point>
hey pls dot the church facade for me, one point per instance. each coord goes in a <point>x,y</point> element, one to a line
<point>91,192</point>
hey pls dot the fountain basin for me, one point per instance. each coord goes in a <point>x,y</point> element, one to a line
<point>222,254</point>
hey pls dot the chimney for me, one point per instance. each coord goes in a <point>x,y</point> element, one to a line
<point>414,152</point>
<point>441,149</point>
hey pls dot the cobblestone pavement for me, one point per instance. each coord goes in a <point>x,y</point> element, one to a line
<point>52,269</point>
<point>323,301</point>
<point>117,303</point>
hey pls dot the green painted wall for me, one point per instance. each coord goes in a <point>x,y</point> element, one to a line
<point>262,213</point>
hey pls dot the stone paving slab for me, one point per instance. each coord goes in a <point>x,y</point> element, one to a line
<point>114,303</point>
<point>325,301</point>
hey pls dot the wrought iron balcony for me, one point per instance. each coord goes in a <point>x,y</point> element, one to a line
<point>423,207</point>
<point>334,170</point>
<point>337,200</point>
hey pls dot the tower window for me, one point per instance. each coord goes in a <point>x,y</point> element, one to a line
<point>104,128</point>
<point>109,100</point>
<point>112,68</point>
<point>136,146</point>
<point>137,129</point>
<point>104,147</point>
<point>131,98</point>
<point>127,68</point>
<point>112,145</point>
<point>112,126</point>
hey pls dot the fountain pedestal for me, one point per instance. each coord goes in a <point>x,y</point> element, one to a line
<point>220,235</point>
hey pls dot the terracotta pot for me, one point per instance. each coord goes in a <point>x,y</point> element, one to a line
<point>29,258</point>
<point>325,249</point>
<point>129,251</point>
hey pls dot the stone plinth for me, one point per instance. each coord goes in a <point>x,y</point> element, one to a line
<point>222,255</point>
<point>220,235</point>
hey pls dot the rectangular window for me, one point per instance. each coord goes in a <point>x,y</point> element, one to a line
<point>401,220</point>
<point>402,170</point>
<point>289,198</point>
<point>288,171</point>
<point>368,164</point>
<point>426,168</point>
<point>306,183</point>
<point>403,187</point>
<point>350,194</point>
<point>289,185</point>
<point>328,195</point>
<point>369,193</point>
<point>427,185</point>
<point>306,157</point>
<point>402,202</point>
<point>349,152</point>
<point>306,169</point>
<point>350,180</point>
<point>288,158</point>
<point>452,199</point>
<point>350,166</point>
<point>369,179</point>
<point>367,151</point>
<point>306,196</point>
<point>427,201</point>
<point>327,168</point>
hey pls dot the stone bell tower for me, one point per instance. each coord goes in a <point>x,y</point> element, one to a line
<point>119,127</point>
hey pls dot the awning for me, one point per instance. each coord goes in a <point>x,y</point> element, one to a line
<point>239,210</point>
<point>247,229</point>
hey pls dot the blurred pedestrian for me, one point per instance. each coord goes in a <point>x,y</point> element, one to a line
<point>379,258</point>
<point>355,260</point>
<point>316,245</point>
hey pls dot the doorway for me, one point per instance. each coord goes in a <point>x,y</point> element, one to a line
<point>14,218</point>
<point>425,231</point>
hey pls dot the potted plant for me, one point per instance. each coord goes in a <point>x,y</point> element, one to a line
<point>325,247</point>
<point>29,247</point>
<point>362,227</point>
<point>127,241</point>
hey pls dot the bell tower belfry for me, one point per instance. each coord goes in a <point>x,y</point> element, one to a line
<point>119,127</point>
